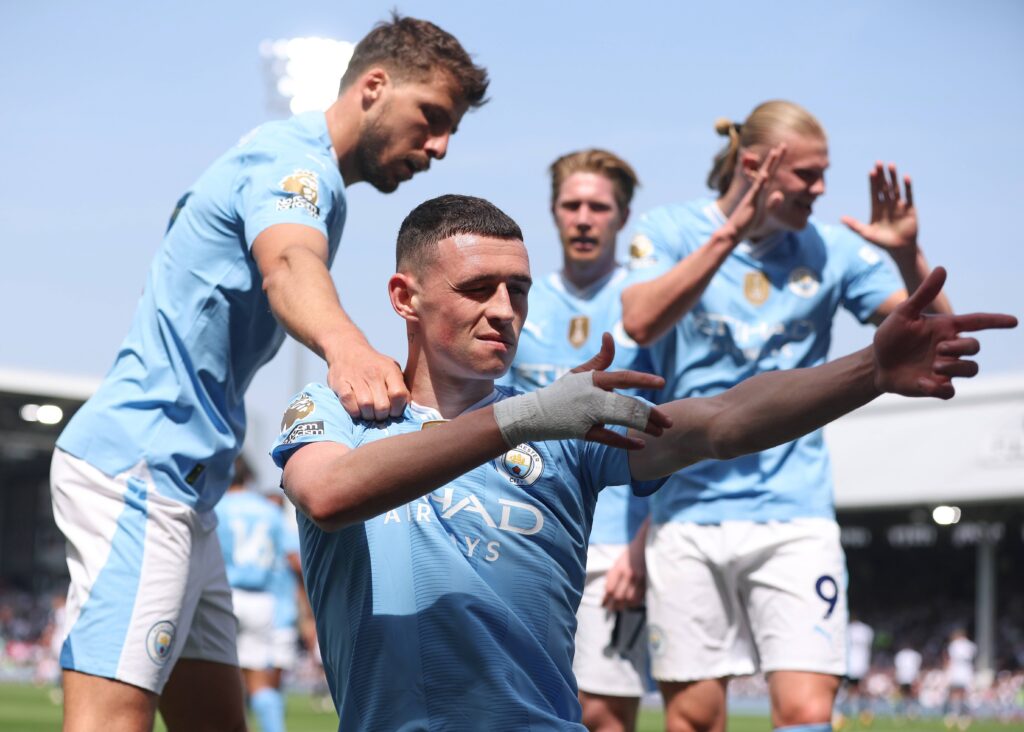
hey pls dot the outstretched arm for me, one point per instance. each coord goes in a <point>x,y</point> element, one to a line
<point>914,354</point>
<point>894,227</point>
<point>292,259</point>
<point>650,308</point>
<point>336,486</point>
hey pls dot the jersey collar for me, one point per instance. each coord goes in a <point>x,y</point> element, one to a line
<point>420,413</point>
<point>559,282</point>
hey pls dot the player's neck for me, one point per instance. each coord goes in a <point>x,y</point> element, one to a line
<point>728,202</point>
<point>343,128</point>
<point>431,386</point>
<point>582,275</point>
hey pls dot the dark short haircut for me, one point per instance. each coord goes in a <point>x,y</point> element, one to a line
<point>413,49</point>
<point>446,216</point>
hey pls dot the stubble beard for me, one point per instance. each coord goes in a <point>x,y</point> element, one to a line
<point>372,143</point>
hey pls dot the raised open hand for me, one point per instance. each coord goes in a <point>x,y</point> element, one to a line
<point>893,223</point>
<point>757,202</point>
<point>918,354</point>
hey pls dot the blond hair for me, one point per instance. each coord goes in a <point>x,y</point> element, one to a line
<point>601,162</point>
<point>764,126</point>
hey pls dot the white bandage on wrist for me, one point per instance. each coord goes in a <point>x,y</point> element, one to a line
<point>566,409</point>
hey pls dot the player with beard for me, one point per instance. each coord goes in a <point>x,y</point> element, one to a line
<point>245,259</point>
<point>743,284</point>
<point>444,551</point>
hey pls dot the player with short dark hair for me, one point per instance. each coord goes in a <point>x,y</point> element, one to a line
<point>444,551</point>
<point>141,465</point>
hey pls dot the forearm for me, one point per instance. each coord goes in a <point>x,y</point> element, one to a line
<point>382,475</point>
<point>762,412</point>
<point>913,268</point>
<point>650,309</point>
<point>304,300</point>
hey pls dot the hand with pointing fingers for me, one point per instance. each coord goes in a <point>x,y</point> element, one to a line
<point>917,354</point>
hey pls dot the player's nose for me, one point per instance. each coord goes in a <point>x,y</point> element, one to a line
<point>437,146</point>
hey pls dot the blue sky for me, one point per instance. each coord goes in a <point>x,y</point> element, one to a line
<point>112,109</point>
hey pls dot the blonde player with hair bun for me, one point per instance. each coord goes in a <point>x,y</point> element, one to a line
<point>745,568</point>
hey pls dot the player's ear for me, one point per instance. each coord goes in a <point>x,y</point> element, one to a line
<point>749,163</point>
<point>372,85</point>
<point>402,291</point>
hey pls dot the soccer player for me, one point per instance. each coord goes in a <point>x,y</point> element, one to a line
<point>859,639</point>
<point>960,655</point>
<point>139,468</point>
<point>569,310</point>
<point>444,551</point>
<point>907,663</point>
<point>742,284</point>
<point>285,585</point>
<point>250,529</point>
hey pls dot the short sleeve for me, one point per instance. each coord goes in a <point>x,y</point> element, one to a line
<point>314,415</point>
<point>281,189</point>
<point>657,244</point>
<point>602,465</point>
<point>290,540</point>
<point>868,276</point>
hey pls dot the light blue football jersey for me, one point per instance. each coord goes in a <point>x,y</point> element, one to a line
<point>251,533</point>
<point>282,582</point>
<point>562,331</point>
<point>203,327</point>
<point>769,307</point>
<point>456,611</point>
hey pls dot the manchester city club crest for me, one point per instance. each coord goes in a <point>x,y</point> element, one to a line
<point>804,282</point>
<point>160,641</point>
<point>522,465</point>
<point>756,288</point>
<point>655,640</point>
<point>579,329</point>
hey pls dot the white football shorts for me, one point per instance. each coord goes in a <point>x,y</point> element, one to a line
<point>601,666</point>
<point>148,584</point>
<point>738,597</point>
<point>255,613</point>
<point>286,648</point>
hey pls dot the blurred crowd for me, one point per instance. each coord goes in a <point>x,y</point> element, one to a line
<point>30,646</point>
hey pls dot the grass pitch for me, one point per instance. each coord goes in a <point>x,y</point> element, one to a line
<point>25,708</point>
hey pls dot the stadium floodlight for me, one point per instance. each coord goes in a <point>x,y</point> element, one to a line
<point>946,515</point>
<point>42,413</point>
<point>303,73</point>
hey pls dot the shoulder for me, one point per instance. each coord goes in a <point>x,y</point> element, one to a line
<point>675,216</point>
<point>674,230</point>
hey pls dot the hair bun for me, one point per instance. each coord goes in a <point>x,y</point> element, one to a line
<point>724,126</point>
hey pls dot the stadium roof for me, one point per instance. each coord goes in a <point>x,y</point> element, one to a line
<point>25,435</point>
<point>39,383</point>
<point>899,451</point>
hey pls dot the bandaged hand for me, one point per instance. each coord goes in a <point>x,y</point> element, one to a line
<point>567,409</point>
